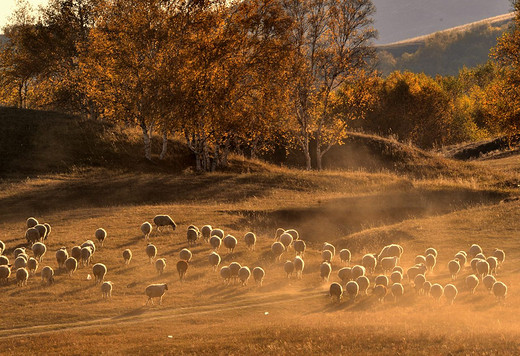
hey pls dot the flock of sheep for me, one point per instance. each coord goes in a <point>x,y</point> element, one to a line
<point>354,280</point>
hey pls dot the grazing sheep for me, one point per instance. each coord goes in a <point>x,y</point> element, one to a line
<point>397,291</point>
<point>427,286</point>
<point>420,259</point>
<point>146,229</point>
<point>185,255</point>
<point>127,256</point>
<point>330,247</point>
<point>5,273</point>
<point>4,260</point>
<point>101,235</point>
<point>431,261</point>
<point>214,260</point>
<point>295,235</point>
<point>225,273</point>
<point>31,222</point>
<point>164,220</point>
<point>32,235</point>
<point>288,267</point>
<point>258,275</point>
<point>480,256</point>
<point>393,250</point>
<point>192,235</point>
<point>76,252</point>
<point>299,265</point>
<point>278,233</point>
<point>151,252</point>
<point>357,271</point>
<point>482,268</point>
<point>436,291</point>
<point>399,269</point>
<point>388,263</point>
<point>155,291</point>
<point>473,264</point>
<point>499,290</point>
<point>49,229</point>
<point>106,289</point>
<point>493,264</point>
<point>160,265</point>
<point>369,261</point>
<point>234,267</point>
<point>71,265</point>
<point>454,268</point>
<point>215,242</point>
<point>488,281</point>
<point>396,277</point>
<point>277,248</point>
<point>91,244</point>
<point>450,292</point>
<point>99,271</point>
<point>86,255</point>
<point>472,283</point>
<point>182,268</point>
<point>218,232</point>
<point>2,247</point>
<point>39,250</point>
<point>286,239</point>
<point>380,292</point>
<point>336,291</point>
<point>363,284</point>
<point>206,232</point>
<point>61,256</point>
<point>325,270</point>
<point>19,262</point>
<point>352,289</point>
<point>418,283</point>
<point>462,258</point>
<point>18,251</point>
<point>21,276</point>
<point>431,251</point>
<point>299,246</point>
<point>414,271</point>
<point>345,256</point>
<point>381,279</point>
<point>230,242</point>
<point>474,250</point>
<point>32,265</point>
<point>42,230</point>
<point>243,274</point>
<point>250,240</point>
<point>47,275</point>
<point>500,255</point>
<point>345,274</point>
<point>326,255</point>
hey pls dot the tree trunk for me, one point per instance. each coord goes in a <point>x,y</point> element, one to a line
<point>254,148</point>
<point>164,146</point>
<point>147,143</point>
<point>319,155</point>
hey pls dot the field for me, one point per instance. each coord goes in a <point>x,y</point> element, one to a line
<point>362,210</point>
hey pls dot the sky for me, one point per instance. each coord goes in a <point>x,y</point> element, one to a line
<point>7,7</point>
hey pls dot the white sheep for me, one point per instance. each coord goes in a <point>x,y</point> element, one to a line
<point>99,271</point>
<point>75,252</point>
<point>436,291</point>
<point>472,283</point>
<point>482,268</point>
<point>420,259</point>
<point>31,222</point>
<point>185,255</point>
<point>286,239</point>
<point>493,264</point>
<point>160,265</point>
<point>91,244</point>
<point>5,273</point>
<point>214,260</point>
<point>500,255</point>
<point>325,270</point>
<point>499,290</point>
<point>277,248</point>
<point>47,275</point>
<point>32,265</point>
<point>4,260</point>
<point>155,291</point>
<point>2,247</point>
<point>295,235</point>
<point>218,232</point>
<point>398,269</point>
<point>19,262</point>
<point>182,268</point>
<point>345,274</point>
<point>431,261</point>
<point>225,273</point>
<point>388,263</point>
<point>151,252</point>
<point>49,229</point>
<point>363,283</point>
<point>326,255</point>
<point>278,233</point>
<point>127,256</point>
<point>369,261</point>
<point>357,271</point>
<point>86,255</point>
<point>427,286</point>
<point>42,230</point>
<point>146,229</point>
<point>206,232</point>
<point>336,291</point>
<point>250,240</point>
<point>258,275</point>
<point>431,251</point>
<point>396,277</point>
<point>243,274</point>
<point>164,220</point>
<point>397,291</point>
<point>106,289</point>
<point>473,264</point>
<point>192,235</point>
<point>481,256</point>
<point>215,242</point>
<point>299,246</point>
<point>288,267</point>
<point>352,289</point>
<point>22,275</point>
<point>380,292</point>
<point>18,251</point>
<point>381,279</point>
<point>234,267</point>
<point>32,235</point>
<point>330,247</point>
<point>488,281</point>
<point>450,292</point>
<point>418,283</point>
<point>71,265</point>
<point>345,256</point>
<point>101,235</point>
<point>454,268</point>
<point>61,256</point>
<point>474,250</point>
<point>230,242</point>
<point>39,249</point>
<point>299,265</point>
<point>462,258</point>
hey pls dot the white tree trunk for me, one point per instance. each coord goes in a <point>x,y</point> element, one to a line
<point>147,143</point>
<point>164,146</point>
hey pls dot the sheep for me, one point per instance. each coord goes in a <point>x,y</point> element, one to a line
<point>388,263</point>
<point>462,258</point>
<point>146,229</point>
<point>250,240</point>
<point>86,255</point>
<point>499,290</point>
<point>396,277</point>
<point>352,289</point>
<point>218,232</point>
<point>234,267</point>
<point>363,284</point>
<point>192,235</point>
<point>61,256</point>
<point>481,256</point>
<point>106,289</point>
<point>101,235</point>
<point>482,268</point>
<point>278,233</point>
<point>4,260</point>
<point>299,246</point>
<point>76,252</point>
<point>19,262</point>
<point>19,250</point>
<point>215,242</point>
<point>258,275</point>
<point>49,229</point>
<point>420,259</point>
<point>2,247</point>
<point>71,265</point>
<point>398,269</point>
<point>214,260</point>
<point>380,292</point>
<point>99,271</point>
<point>397,291</point>
<point>91,244</point>
<point>32,235</point>
<point>182,268</point>
<point>206,232</point>
<point>474,250</point>
<point>225,273</point>
<point>436,291</point>
<point>151,252</point>
<point>357,271</point>
<point>431,251</point>
<point>427,286</point>
<point>230,242</point>
<point>277,248</point>
<point>473,264</point>
<point>500,255</point>
<point>185,255</point>
<point>42,229</point>
<point>47,275</point>
<point>31,222</point>
<point>325,270</point>
<point>431,261</point>
<point>336,291</point>
<point>330,247</point>
<point>381,279</point>
<point>21,276</point>
<point>414,271</point>
<point>164,220</point>
<point>472,283</point>
<point>454,268</point>
<point>345,256</point>
<point>450,292</point>
<point>288,267</point>
<point>493,264</point>
<point>39,249</point>
<point>160,265</point>
<point>326,255</point>
<point>392,250</point>
<point>299,265</point>
<point>418,283</point>
<point>127,256</point>
<point>488,281</point>
<point>32,265</point>
<point>369,261</point>
<point>295,235</point>
<point>345,274</point>
<point>5,273</point>
<point>243,274</point>
<point>155,291</point>
<point>286,239</point>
